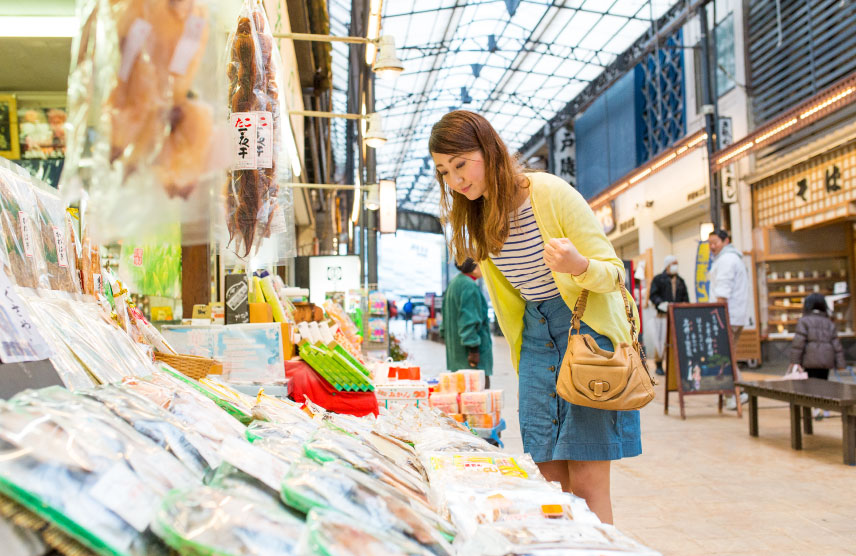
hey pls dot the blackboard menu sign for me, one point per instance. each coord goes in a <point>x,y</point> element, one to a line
<point>701,352</point>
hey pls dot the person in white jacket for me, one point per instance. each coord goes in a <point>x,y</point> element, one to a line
<point>729,283</point>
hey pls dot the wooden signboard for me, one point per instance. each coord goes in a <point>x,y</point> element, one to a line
<point>700,353</point>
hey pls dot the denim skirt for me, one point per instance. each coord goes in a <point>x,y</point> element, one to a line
<point>552,428</point>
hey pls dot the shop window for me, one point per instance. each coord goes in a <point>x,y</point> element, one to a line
<point>726,63</point>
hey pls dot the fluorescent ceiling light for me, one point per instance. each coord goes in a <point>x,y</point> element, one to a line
<point>38,26</point>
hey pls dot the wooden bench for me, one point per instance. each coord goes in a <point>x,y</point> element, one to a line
<point>802,395</point>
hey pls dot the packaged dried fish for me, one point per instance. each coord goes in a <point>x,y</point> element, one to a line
<point>69,460</point>
<point>24,259</point>
<point>471,507</point>
<point>433,439</point>
<point>211,521</point>
<point>299,429</point>
<point>159,425</point>
<point>331,533</point>
<point>256,110</point>
<point>361,497</point>
<point>543,537</point>
<point>328,445</point>
<point>54,225</point>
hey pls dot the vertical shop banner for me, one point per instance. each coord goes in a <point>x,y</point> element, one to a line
<point>702,268</point>
<point>564,153</point>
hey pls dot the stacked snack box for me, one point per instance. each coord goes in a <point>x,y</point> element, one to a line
<point>462,395</point>
<point>402,387</point>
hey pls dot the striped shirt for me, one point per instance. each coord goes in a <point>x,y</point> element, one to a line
<point>521,259</point>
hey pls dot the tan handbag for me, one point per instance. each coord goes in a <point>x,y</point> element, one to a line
<point>593,377</point>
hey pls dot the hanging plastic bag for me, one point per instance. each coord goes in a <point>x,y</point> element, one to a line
<point>24,257</point>
<point>54,229</point>
<point>254,210</point>
<point>145,106</point>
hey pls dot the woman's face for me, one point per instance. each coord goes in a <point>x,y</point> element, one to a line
<point>463,173</point>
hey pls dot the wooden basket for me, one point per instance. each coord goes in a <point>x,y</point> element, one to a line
<point>191,365</point>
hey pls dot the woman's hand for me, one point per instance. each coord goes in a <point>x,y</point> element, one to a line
<point>561,255</point>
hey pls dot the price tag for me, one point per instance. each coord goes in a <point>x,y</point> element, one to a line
<point>138,256</point>
<point>254,461</point>
<point>244,138</point>
<point>61,253</point>
<point>20,340</point>
<point>188,45</point>
<point>121,491</point>
<point>26,236</point>
<point>133,45</point>
<point>264,140</point>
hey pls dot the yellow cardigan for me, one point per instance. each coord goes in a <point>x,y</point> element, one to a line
<point>560,211</point>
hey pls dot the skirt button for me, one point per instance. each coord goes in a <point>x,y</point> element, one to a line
<point>543,321</point>
<point>555,422</point>
<point>552,394</point>
<point>549,344</point>
<point>552,367</point>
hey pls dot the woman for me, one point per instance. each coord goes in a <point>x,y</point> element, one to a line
<point>539,245</point>
<point>466,327</point>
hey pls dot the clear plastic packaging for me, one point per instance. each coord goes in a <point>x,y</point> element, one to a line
<point>331,533</point>
<point>359,496</point>
<point>436,439</point>
<point>447,402</point>
<point>206,520</point>
<point>59,248</point>
<point>147,125</point>
<point>71,461</point>
<point>471,507</point>
<point>542,537</point>
<point>253,208</point>
<point>24,257</point>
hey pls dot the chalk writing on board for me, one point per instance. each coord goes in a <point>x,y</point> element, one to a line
<point>703,348</point>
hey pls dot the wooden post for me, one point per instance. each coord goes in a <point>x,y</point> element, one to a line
<point>195,277</point>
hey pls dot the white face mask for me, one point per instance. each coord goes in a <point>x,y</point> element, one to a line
<point>673,269</point>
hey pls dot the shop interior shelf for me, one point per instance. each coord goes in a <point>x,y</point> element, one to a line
<point>797,294</point>
<point>806,279</point>
<point>797,307</point>
<point>793,322</point>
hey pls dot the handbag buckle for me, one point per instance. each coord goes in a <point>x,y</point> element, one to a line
<point>598,387</point>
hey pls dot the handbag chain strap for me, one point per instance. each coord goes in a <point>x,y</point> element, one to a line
<point>580,309</point>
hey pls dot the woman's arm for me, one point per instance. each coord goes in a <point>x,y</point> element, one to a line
<point>605,271</point>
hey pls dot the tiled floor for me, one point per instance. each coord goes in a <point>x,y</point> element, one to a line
<point>703,486</point>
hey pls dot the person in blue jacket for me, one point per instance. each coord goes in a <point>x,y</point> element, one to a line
<point>466,328</point>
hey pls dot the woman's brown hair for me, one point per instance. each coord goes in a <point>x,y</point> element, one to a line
<point>479,227</point>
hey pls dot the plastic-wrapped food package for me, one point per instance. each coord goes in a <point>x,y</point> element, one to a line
<point>434,439</point>
<point>365,499</point>
<point>68,459</point>
<point>300,429</point>
<point>448,471</point>
<point>239,411</point>
<point>211,521</point>
<point>188,404</point>
<point>69,367</point>
<point>159,425</point>
<point>405,422</point>
<point>59,248</point>
<point>24,257</point>
<point>337,313</point>
<point>330,533</point>
<point>79,337</point>
<point>255,108</point>
<point>471,507</point>
<point>447,402</point>
<point>327,445</point>
<point>476,402</point>
<point>145,111</point>
<point>543,537</point>
<point>270,408</point>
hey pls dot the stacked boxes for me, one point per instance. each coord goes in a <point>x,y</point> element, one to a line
<point>462,396</point>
